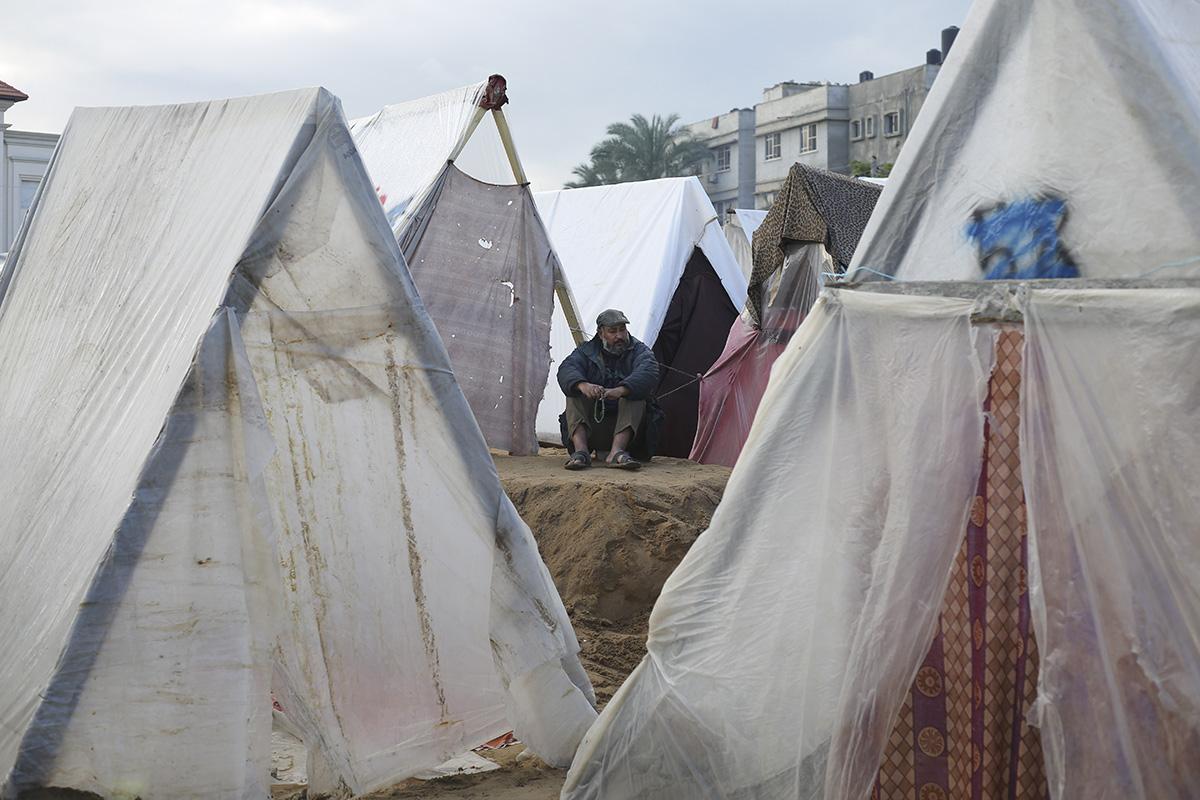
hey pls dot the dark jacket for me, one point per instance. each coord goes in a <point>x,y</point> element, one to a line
<point>636,368</point>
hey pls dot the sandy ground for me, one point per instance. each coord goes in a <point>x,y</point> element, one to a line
<point>610,539</point>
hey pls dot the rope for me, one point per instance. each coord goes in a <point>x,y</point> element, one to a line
<point>598,410</point>
<point>696,379</point>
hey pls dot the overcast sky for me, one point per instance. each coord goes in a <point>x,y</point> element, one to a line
<point>572,68</point>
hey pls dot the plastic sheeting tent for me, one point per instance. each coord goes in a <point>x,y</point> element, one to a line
<point>238,464</point>
<point>1060,139</point>
<point>811,230</point>
<point>475,245</point>
<point>740,224</point>
<point>653,249</point>
<point>827,619</point>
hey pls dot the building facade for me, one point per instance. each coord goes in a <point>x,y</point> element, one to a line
<point>24,158</point>
<point>825,125</point>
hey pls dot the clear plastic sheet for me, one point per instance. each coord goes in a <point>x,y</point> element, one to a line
<point>1059,135</point>
<point>405,147</point>
<point>780,647</point>
<point>104,306</point>
<point>739,230</point>
<point>734,385</point>
<point>1111,451</point>
<point>344,542</point>
<point>626,246</point>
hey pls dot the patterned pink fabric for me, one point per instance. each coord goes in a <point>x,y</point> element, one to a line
<point>961,732</point>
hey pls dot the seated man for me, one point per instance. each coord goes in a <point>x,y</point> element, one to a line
<point>607,381</point>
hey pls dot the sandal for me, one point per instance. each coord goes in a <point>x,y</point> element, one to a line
<point>622,460</point>
<point>578,460</point>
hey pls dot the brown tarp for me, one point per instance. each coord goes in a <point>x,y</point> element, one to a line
<point>483,265</point>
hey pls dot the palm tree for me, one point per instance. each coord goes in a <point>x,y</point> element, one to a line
<point>642,149</point>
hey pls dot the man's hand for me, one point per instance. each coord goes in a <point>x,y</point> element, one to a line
<point>618,392</point>
<point>591,391</point>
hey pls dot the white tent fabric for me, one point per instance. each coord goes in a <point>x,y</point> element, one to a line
<point>252,471</point>
<point>1111,443</point>
<point>739,232</point>
<point>406,145</point>
<point>775,658</point>
<point>625,246</point>
<point>780,649</point>
<point>1061,138</point>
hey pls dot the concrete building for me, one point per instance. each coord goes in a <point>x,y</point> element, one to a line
<point>729,177</point>
<point>882,110</point>
<point>24,158</point>
<point>824,125</point>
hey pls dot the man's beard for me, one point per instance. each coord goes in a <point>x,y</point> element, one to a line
<point>616,348</point>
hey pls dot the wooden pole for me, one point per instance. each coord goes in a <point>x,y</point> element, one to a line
<point>509,148</point>
<point>566,301</point>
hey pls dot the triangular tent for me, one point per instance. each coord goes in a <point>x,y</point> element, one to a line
<point>957,558</point>
<point>740,224</point>
<point>812,228</point>
<point>653,249</point>
<point>475,245</point>
<point>1061,139</point>
<point>238,464</point>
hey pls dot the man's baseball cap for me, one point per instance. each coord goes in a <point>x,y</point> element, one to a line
<point>611,317</point>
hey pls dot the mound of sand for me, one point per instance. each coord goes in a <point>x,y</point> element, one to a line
<point>610,539</point>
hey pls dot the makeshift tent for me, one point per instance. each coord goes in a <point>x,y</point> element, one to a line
<point>237,464</point>
<point>1060,139</point>
<point>476,248</point>
<point>653,249</point>
<point>957,558</point>
<point>740,224</point>
<point>812,228</point>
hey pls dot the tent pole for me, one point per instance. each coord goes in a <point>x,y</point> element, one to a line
<point>476,118</point>
<point>509,148</point>
<point>566,301</point>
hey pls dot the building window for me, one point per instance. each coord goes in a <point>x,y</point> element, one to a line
<point>773,146</point>
<point>29,188</point>
<point>891,123</point>
<point>766,200</point>
<point>870,127</point>
<point>856,129</point>
<point>808,138</point>
<point>723,158</point>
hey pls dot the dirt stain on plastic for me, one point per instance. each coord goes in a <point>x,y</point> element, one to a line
<point>414,553</point>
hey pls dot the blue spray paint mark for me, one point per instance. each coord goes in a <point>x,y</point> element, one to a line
<point>1019,241</point>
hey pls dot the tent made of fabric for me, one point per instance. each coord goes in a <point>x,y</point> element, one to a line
<point>740,224</point>
<point>238,465</point>
<point>653,249</point>
<point>811,229</point>
<point>460,206</point>
<point>1060,139</point>
<point>957,558</point>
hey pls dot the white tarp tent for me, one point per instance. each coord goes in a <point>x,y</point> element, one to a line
<point>237,464</point>
<point>626,246</point>
<point>740,224</point>
<point>1060,139</point>
<point>782,648</point>
<point>478,252</point>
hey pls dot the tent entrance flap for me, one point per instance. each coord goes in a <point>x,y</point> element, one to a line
<point>690,340</point>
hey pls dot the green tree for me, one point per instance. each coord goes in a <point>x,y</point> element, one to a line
<point>862,169</point>
<point>642,149</point>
